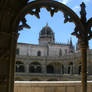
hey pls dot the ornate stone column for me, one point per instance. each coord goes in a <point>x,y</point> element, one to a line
<point>7,60</point>
<point>13,11</point>
<point>9,9</point>
<point>83,38</point>
<point>44,68</point>
<point>83,47</point>
<point>27,68</point>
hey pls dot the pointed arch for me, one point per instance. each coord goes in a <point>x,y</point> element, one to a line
<point>50,68</point>
<point>35,67</point>
<point>70,68</point>
<point>20,66</point>
<point>52,6</point>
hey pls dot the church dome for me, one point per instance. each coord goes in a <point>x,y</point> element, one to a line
<point>46,31</point>
<point>46,36</point>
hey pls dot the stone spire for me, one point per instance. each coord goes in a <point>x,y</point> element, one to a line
<point>77,46</point>
<point>71,46</point>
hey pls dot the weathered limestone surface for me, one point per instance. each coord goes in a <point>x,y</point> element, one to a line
<point>55,86</point>
<point>74,75</point>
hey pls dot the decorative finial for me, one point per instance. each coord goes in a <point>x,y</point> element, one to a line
<point>83,12</point>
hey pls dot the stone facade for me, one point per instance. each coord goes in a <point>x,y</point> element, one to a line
<point>49,60</point>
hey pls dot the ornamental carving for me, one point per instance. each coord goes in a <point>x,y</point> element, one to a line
<point>52,6</point>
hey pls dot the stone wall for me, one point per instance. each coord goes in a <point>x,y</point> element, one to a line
<point>52,49</point>
<point>53,86</point>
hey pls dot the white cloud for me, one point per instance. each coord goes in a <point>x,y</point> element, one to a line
<point>87,0</point>
<point>64,1</point>
<point>76,8</point>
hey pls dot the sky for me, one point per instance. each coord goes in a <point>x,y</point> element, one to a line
<point>62,31</point>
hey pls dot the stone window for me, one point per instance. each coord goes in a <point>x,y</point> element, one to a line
<point>65,51</point>
<point>39,53</point>
<point>20,66</point>
<point>70,68</point>
<point>35,67</point>
<point>17,51</point>
<point>60,52</point>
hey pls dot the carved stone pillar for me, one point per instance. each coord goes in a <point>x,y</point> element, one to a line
<point>44,69</point>
<point>27,68</point>
<point>9,9</point>
<point>71,69</point>
<point>83,47</point>
<point>7,61</point>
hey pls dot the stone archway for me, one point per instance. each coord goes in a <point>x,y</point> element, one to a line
<point>35,67</point>
<point>14,12</point>
<point>20,66</point>
<point>82,32</point>
<point>50,68</point>
<point>54,68</point>
<point>52,6</point>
